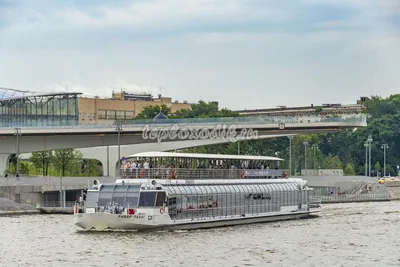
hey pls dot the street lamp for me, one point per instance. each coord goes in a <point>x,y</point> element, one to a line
<point>119,129</point>
<point>290,155</point>
<point>384,147</point>
<point>366,157</point>
<point>369,140</point>
<point>276,155</point>
<point>315,146</point>
<point>305,157</point>
<point>17,133</point>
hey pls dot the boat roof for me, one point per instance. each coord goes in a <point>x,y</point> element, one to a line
<point>156,154</point>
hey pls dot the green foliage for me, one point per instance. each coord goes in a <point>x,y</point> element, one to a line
<point>12,163</point>
<point>333,162</point>
<point>378,166</point>
<point>149,112</point>
<point>335,150</point>
<point>90,167</point>
<point>199,110</point>
<point>42,160</point>
<point>378,106</point>
<point>64,158</point>
<point>23,168</point>
<point>349,170</point>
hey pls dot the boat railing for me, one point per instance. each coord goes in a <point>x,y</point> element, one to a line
<point>182,173</point>
<point>315,203</point>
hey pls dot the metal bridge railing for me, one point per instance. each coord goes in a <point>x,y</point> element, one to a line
<point>258,119</point>
<point>180,173</point>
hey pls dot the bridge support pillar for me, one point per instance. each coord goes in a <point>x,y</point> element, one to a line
<point>3,163</point>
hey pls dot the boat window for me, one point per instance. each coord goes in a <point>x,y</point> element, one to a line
<point>131,200</point>
<point>106,192</point>
<point>132,197</point>
<point>171,201</point>
<point>160,199</point>
<point>119,194</point>
<point>91,198</point>
<point>147,199</point>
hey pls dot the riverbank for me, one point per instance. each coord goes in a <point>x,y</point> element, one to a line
<point>18,212</point>
<point>42,210</point>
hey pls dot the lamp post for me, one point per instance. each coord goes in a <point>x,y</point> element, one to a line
<point>119,129</point>
<point>384,147</point>
<point>305,157</point>
<point>277,155</point>
<point>366,158</point>
<point>315,146</point>
<point>290,155</point>
<point>17,133</point>
<point>369,140</point>
<point>108,161</point>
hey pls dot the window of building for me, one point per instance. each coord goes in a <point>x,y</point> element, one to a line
<point>120,115</point>
<point>102,114</point>
<point>111,114</point>
<point>129,115</point>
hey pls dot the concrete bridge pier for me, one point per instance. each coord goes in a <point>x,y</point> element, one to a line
<point>4,158</point>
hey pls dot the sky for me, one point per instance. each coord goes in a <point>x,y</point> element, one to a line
<point>245,54</point>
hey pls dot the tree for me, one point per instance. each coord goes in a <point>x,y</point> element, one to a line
<point>23,168</point>
<point>378,167</point>
<point>42,160</point>
<point>12,160</point>
<point>65,158</point>
<point>349,170</point>
<point>204,110</point>
<point>333,162</point>
<point>90,167</point>
<point>149,112</point>
<point>335,150</point>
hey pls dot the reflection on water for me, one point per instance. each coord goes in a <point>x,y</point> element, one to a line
<point>363,234</point>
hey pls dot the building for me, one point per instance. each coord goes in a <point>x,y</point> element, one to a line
<point>122,105</point>
<point>324,109</point>
<point>362,100</point>
<point>23,108</point>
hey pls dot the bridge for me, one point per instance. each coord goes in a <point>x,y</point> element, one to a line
<point>148,135</point>
<point>32,139</point>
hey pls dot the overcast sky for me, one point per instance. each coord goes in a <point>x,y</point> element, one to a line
<point>242,53</point>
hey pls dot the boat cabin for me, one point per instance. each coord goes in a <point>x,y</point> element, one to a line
<point>172,165</point>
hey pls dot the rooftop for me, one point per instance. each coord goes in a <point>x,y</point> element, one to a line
<point>11,94</point>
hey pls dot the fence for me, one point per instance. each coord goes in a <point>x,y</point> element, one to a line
<point>351,192</point>
<point>359,118</point>
<point>54,181</point>
<point>53,204</point>
<point>180,173</point>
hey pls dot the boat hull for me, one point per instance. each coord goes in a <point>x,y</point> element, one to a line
<point>110,221</point>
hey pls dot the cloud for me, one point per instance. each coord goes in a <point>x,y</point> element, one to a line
<point>244,54</point>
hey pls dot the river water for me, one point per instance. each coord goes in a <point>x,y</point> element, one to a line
<point>363,234</point>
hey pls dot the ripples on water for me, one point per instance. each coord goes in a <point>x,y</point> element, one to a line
<point>363,234</point>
